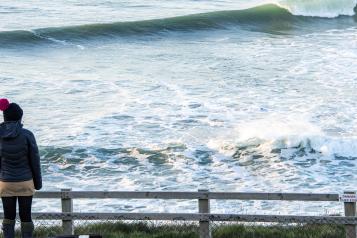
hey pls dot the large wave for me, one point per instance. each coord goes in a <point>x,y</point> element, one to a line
<point>269,18</point>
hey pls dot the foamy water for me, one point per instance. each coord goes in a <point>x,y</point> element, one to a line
<point>243,100</point>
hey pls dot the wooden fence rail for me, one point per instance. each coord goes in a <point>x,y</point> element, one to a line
<point>316,197</point>
<point>204,217</point>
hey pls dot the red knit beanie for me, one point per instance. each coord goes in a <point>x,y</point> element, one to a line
<point>4,104</point>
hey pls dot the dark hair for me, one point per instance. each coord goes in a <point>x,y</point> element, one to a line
<point>13,113</point>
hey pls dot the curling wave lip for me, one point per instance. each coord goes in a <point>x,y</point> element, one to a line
<point>269,18</point>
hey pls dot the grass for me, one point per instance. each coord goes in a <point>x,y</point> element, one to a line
<point>144,230</point>
<point>309,231</point>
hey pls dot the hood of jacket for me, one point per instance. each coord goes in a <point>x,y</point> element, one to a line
<point>10,129</point>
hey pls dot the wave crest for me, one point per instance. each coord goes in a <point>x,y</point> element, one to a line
<point>269,18</point>
<point>320,8</point>
<point>288,137</point>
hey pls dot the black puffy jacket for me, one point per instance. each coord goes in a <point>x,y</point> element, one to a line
<point>19,157</point>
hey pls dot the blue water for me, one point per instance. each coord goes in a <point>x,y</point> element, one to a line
<point>186,95</point>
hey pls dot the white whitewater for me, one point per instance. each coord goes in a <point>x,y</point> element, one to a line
<point>320,8</point>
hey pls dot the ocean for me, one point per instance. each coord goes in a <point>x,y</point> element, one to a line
<point>185,95</point>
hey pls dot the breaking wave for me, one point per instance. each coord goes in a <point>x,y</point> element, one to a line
<point>270,18</point>
<point>290,138</point>
<point>320,8</point>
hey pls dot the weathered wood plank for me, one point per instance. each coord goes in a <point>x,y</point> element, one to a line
<point>47,194</point>
<point>192,195</point>
<point>67,207</point>
<point>204,207</point>
<point>196,217</point>
<point>350,211</point>
<point>275,196</point>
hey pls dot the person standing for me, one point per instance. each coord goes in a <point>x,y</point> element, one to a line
<point>20,170</point>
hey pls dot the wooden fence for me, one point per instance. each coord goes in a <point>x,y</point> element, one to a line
<point>204,217</point>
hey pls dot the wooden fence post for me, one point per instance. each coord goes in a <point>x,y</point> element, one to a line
<point>204,207</point>
<point>350,211</point>
<point>67,206</point>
